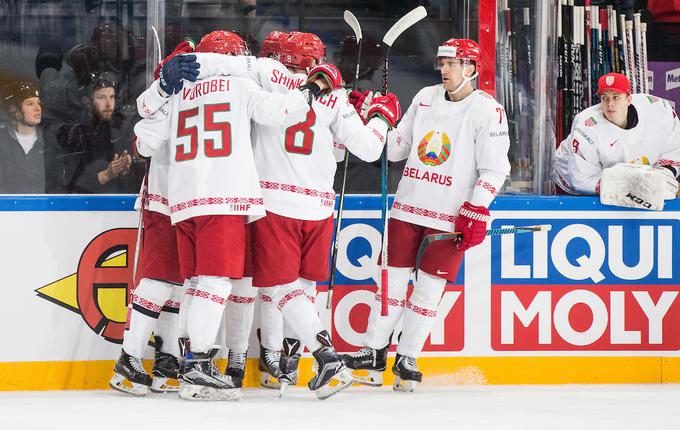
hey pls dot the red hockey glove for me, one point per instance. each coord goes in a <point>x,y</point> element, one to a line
<point>471,222</point>
<point>185,47</point>
<point>330,75</point>
<point>360,101</point>
<point>386,107</point>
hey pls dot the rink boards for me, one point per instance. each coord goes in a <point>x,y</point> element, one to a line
<point>595,300</point>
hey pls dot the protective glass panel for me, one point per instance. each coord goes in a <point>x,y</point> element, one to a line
<point>86,60</point>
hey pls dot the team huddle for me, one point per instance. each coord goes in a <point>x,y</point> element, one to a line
<point>238,204</point>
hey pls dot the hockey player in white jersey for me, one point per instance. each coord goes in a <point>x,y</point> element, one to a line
<point>239,308</point>
<point>455,140</point>
<point>292,244</point>
<point>213,190</point>
<point>155,300</point>
<point>622,128</point>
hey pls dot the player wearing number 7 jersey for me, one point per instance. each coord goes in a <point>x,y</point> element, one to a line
<point>213,189</point>
<point>455,142</point>
<point>297,165</point>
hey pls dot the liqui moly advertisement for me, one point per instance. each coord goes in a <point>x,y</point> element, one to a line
<point>603,283</point>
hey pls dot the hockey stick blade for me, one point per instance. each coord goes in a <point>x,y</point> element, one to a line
<point>403,24</point>
<point>491,232</point>
<point>157,40</point>
<point>353,22</point>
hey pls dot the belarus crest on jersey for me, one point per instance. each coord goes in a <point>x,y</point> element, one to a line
<point>434,148</point>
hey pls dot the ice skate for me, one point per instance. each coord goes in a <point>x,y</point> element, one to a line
<point>165,370</point>
<point>202,381</point>
<point>129,376</point>
<point>269,368</point>
<point>332,375</point>
<point>288,364</point>
<point>374,361</point>
<point>236,367</point>
<point>184,348</point>
<point>406,374</point>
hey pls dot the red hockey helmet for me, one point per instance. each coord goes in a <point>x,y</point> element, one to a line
<point>462,49</point>
<point>273,44</point>
<point>222,42</point>
<point>301,49</point>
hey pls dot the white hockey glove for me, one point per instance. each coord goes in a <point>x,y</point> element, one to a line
<point>671,186</point>
<point>636,186</point>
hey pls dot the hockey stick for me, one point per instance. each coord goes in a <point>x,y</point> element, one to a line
<point>643,55</point>
<point>588,88</point>
<point>639,74</point>
<point>630,66</point>
<point>145,185</point>
<point>559,132</point>
<point>404,23</point>
<point>353,22</point>
<point>427,240</point>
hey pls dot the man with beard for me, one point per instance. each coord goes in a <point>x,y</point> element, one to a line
<point>97,159</point>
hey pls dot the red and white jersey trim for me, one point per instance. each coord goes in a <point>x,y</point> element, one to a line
<point>423,212</point>
<point>206,201</point>
<point>158,199</point>
<point>268,185</point>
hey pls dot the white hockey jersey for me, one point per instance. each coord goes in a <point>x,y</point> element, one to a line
<point>297,162</point>
<point>212,171</point>
<point>156,184</point>
<point>457,152</point>
<point>595,144</point>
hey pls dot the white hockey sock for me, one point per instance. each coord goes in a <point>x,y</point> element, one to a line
<point>189,288</point>
<point>271,321</point>
<point>239,314</point>
<point>147,301</point>
<point>167,327</point>
<point>379,327</point>
<point>420,314</point>
<point>205,312</point>
<point>299,312</point>
<point>310,289</point>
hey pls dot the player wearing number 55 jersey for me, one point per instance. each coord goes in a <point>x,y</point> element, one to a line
<point>455,140</point>
<point>213,189</point>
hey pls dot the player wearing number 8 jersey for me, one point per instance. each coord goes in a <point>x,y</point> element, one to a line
<point>455,141</point>
<point>213,189</point>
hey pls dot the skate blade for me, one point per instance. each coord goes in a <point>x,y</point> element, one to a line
<point>120,383</point>
<point>202,393</point>
<point>374,378</point>
<point>164,385</point>
<point>268,381</point>
<point>339,382</point>
<point>403,386</point>
<point>283,387</point>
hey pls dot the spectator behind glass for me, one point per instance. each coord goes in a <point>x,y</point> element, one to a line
<point>27,164</point>
<point>97,149</point>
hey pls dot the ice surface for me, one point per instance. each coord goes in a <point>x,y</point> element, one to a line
<point>607,407</point>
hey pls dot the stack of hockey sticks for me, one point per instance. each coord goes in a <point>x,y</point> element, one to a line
<point>404,23</point>
<point>516,72</point>
<point>593,39</point>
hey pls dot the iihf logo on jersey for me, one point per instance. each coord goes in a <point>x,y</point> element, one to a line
<point>434,148</point>
<point>99,290</point>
